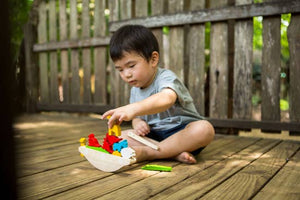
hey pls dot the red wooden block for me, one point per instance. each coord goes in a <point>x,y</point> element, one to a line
<point>93,141</point>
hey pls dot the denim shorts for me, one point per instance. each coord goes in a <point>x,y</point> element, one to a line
<point>161,135</point>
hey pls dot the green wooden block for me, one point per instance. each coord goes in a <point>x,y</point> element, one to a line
<point>97,149</point>
<point>157,168</point>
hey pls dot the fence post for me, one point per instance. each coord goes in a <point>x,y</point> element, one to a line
<point>64,53</point>
<point>86,54</point>
<point>294,45</point>
<point>126,12</point>
<point>75,81</point>
<point>158,7</point>
<point>196,55</point>
<point>114,77</point>
<point>31,72</point>
<point>43,60</point>
<point>243,42</point>
<point>270,72</point>
<point>177,41</point>
<point>100,54</point>
<point>218,86</point>
<point>53,55</point>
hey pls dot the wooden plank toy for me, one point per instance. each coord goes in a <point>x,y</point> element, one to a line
<point>142,140</point>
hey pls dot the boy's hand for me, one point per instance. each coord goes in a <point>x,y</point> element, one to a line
<point>118,115</point>
<point>141,127</point>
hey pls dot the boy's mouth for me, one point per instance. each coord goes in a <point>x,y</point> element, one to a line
<point>132,82</point>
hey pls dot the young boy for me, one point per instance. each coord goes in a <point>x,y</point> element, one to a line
<point>161,108</point>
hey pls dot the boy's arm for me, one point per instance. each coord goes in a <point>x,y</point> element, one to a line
<point>156,103</point>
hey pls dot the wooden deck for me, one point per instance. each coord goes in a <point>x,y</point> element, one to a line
<point>232,167</point>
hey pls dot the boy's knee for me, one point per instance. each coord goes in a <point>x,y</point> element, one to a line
<point>210,128</point>
<point>204,128</point>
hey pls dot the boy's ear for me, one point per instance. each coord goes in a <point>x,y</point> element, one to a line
<point>155,58</point>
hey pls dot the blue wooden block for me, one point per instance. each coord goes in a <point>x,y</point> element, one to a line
<point>120,145</point>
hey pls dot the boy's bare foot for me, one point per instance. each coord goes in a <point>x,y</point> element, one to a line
<point>186,157</point>
<point>142,154</point>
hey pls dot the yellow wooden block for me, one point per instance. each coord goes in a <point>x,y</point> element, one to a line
<point>115,130</point>
<point>116,153</point>
<point>82,143</point>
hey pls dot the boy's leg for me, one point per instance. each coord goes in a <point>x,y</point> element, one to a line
<point>184,157</point>
<point>195,135</point>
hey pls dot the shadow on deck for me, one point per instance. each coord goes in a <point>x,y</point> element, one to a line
<point>50,167</point>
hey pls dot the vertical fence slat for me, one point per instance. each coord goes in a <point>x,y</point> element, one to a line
<point>218,86</point>
<point>114,77</point>
<point>270,72</point>
<point>177,41</point>
<point>126,9</point>
<point>141,8</point>
<point>100,54</point>
<point>75,81</point>
<point>31,77</point>
<point>53,55</point>
<point>294,45</point>
<point>126,13</point>
<point>196,48</point>
<point>86,53</point>
<point>242,90</point>
<point>64,53</point>
<point>158,8</point>
<point>42,38</point>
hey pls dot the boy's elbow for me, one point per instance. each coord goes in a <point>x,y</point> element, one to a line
<point>170,97</point>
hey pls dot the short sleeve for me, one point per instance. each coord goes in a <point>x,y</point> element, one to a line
<point>169,80</point>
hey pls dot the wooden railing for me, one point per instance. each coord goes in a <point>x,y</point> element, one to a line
<point>73,72</point>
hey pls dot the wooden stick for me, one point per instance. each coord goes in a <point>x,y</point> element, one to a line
<point>142,140</point>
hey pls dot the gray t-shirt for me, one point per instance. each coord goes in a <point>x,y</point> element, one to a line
<point>182,112</point>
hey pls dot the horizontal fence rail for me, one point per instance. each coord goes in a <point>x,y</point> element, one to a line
<point>72,44</point>
<point>212,15</point>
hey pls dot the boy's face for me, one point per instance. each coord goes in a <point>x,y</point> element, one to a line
<point>136,70</point>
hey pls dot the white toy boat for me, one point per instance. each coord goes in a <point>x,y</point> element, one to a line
<point>103,161</point>
<point>109,162</point>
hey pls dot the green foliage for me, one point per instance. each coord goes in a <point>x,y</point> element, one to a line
<point>257,33</point>
<point>166,30</point>
<point>284,104</point>
<point>207,45</point>
<point>256,100</point>
<point>19,11</point>
<point>285,54</point>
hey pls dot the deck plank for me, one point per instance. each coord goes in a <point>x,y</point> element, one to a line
<point>160,182</point>
<point>285,184</point>
<point>252,178</point>
<point>204,181</point>
<point>50,167</point>
<point>107,185</point>
<point>59,173</point>
<point>50,182</point>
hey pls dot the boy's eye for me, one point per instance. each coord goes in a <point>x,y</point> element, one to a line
<point>131,66</point>
<point>119,69</point>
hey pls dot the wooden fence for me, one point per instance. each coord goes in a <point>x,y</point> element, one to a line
<point>68,66</point>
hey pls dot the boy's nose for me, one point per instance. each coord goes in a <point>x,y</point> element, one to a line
<point>128,74</point>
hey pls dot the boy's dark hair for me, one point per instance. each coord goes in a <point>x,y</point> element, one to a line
<point>133,38</point>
